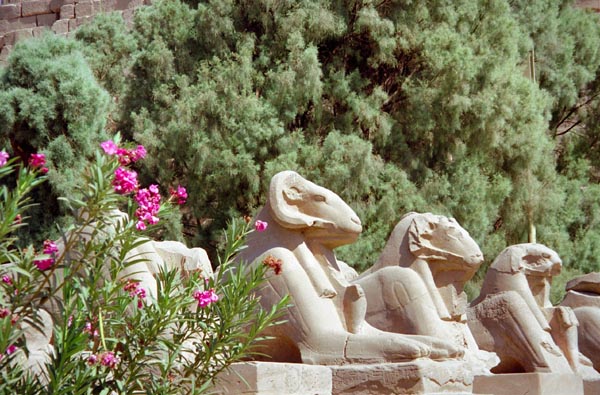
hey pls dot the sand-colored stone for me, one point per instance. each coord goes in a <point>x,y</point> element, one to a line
<point>513,316</point>
<point>417,285</point>
<point>267,378</point>
<point>583,296</point>
<point>529,384</point>
<point>326,322</point>
<point>417,377</point>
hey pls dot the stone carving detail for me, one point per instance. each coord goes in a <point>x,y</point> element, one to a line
<point>583,296</point>
<point>513,315</point>
<point>326,323</point>
<point>417,285</point>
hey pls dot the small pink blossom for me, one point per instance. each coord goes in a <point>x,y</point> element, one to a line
<point>138,153</point>
<point>44,264</point>
<point>260,226</point>
<point>92,359</point>
<point>50,247</point>
<point>134,289</point>
<point>109,147</point>
<point>180,194</point>
<point>125,181</point>
<point>148,200</point>
<point>3,158</point>
<point>4,312</point>
<point>205,298</point>
<point>11,349</point>
<point>109,359</point>
<point>6,279</point>
<point>18,219</point>
<point>70,321</point>
<point>90,330</point>
<point>37,161</point>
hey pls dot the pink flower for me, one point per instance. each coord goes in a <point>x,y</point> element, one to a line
<point>37,161</point>
<point>260,226</point>
<point>125,181</point>
<point>11,349</point>
<point>6,279</point>
<point>4,312</point>
<point>205,298</point>
<point>92,359</point>
<point>50,247</point>
<point>134,289</point>
<point>148,200</point>
<point>109,147</point>
<point>129,156</point>
<point>3,158</point>
<point>180,194</point>
<point>44,264</point>
<point>89,329</point>
<point>138,153</point>
<point>109,359</point>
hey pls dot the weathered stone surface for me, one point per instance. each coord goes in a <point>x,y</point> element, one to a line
<point>418,377</point>
<point>268,378</point>
<point>35,7</point>
<point>10,11</point>
<point>46,19</point>
<point>587,283</point>
<point>56,4</point>
<point>177,255</point>
<point>67,11</point>
<point>84,8</point>
<point>529,384</point>
<point>4,52</point>
<point>61,26</point>
<point>40,30</point>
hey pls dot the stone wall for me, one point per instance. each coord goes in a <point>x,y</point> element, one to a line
<point>22,19</point>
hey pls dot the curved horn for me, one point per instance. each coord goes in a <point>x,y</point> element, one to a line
<point>285,194</point>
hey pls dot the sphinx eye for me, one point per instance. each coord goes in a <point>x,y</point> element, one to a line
<point>319,198</point>
<point>545,255</point>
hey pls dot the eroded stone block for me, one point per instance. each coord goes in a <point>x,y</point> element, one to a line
<point>529,384</point>
<point>35,7</point>
<point>10,11</point>
<point>418,377</point>
<point>46,19</point>
<point>61,26</point>
<point>270,378</point>
<point>67,11</point>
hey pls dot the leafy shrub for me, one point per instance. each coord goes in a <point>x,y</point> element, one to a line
<point>110,330</point>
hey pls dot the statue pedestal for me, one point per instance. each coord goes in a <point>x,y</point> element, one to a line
<point>529,384</point>
<point>416,377</point>
<point>270,378</point>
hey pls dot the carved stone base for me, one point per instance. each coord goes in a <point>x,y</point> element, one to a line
<point>417,377</point>
<point>269,378</point>
<point>591,387</point>
<point>529,383</point>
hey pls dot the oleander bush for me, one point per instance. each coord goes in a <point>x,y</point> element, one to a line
<point>76,319</point>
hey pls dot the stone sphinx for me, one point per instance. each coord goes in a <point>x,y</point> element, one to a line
<point>513,315</point>
<point>417,284</point>
<point>326,323</point>
<point>583,296</point>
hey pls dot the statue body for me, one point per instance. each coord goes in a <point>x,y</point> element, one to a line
<point>326,323</point>
<point>513,315</point>
<point>583,296</point>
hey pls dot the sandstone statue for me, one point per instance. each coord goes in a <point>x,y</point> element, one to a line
<point>326,322</point>
<point>513,315</point>
<point>583,296</point>
<point>417,285</point>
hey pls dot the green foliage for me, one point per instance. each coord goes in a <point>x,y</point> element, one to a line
<point>51,103</point>
<point>396,106</point>
<point>109,333</point>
